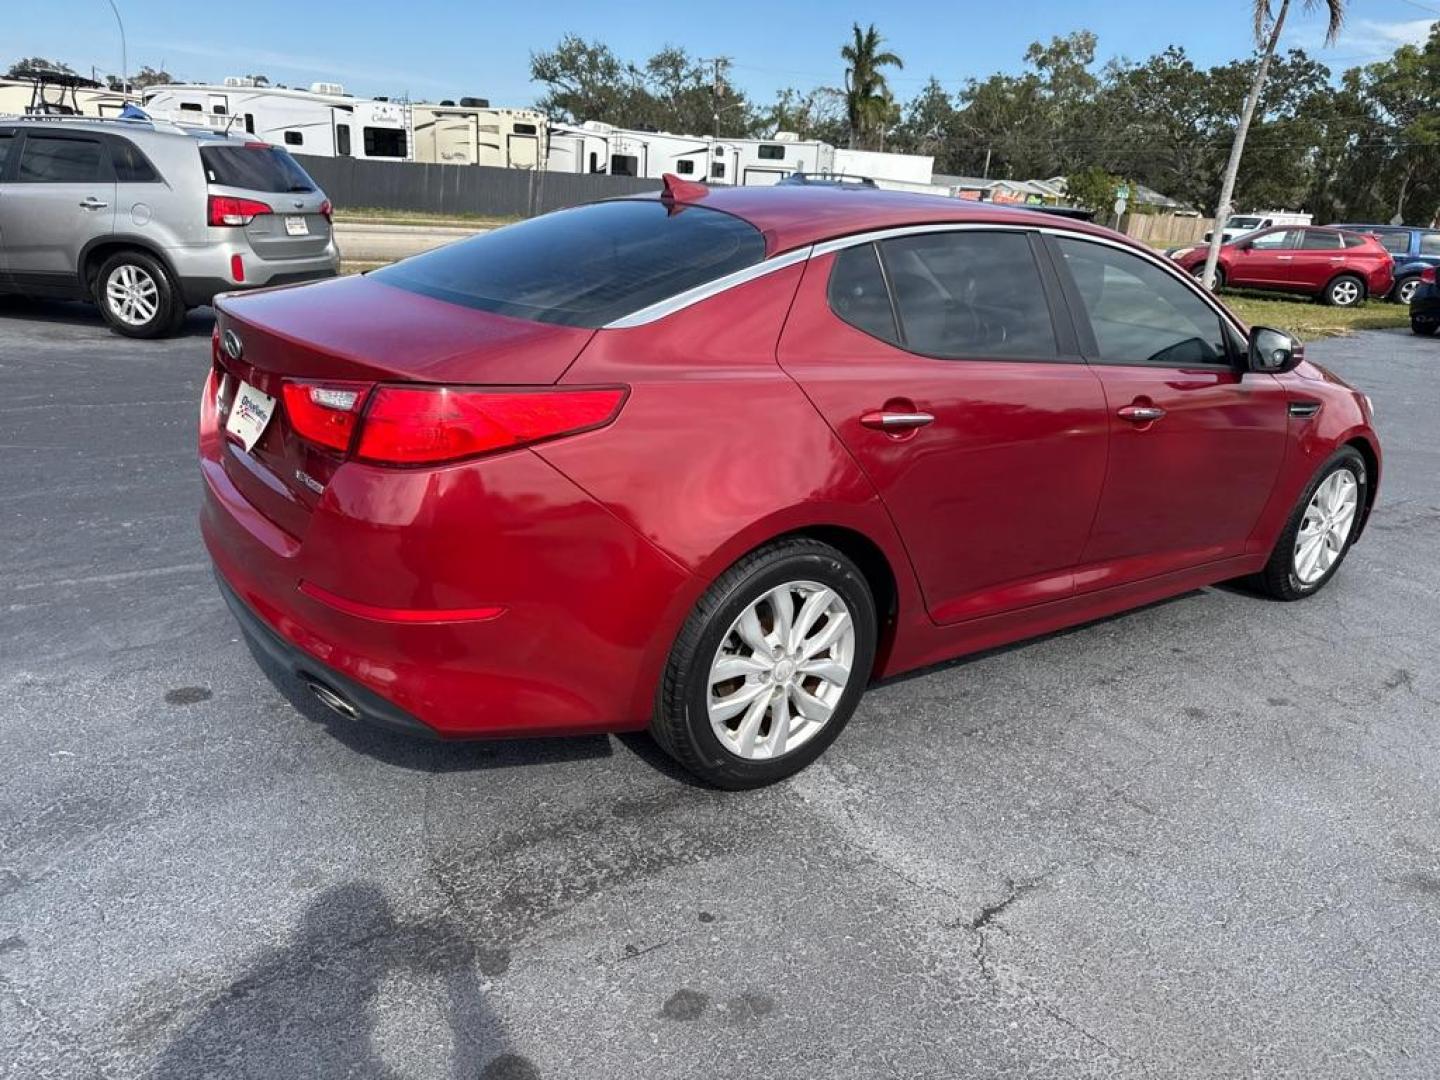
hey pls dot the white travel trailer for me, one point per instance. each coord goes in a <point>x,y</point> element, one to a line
<point>894,172</point>
<point>759,162</point>
<point>595,147</point>
<point>472,133</point>
<point>324,120</point>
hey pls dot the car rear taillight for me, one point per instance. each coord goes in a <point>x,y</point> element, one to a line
<point>432,424</point>
<point>326,210</point>
<point>325,413</point>
<point>1428,275</point>
<point>227,210</point>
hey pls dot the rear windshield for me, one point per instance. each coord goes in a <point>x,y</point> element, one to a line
<point>1243,223</point>
<point>255,167</point>
<point>587,266</point>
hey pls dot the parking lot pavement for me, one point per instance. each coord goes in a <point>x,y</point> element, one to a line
<point>1201,839</point>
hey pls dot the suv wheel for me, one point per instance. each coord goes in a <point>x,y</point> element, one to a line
<point>1347,290</point>
<point>1405,290</point>
<point>137,297</point>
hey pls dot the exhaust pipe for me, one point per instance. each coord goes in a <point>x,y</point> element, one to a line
<point>330,698</point>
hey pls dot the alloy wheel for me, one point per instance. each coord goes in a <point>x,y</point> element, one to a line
<point>133,295</point>
<point>781,670</point>
<point>1326,526</point>
<point>1406,292</point>
<point>1345,293</point>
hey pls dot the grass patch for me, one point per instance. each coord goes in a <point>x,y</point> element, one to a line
<point>369,215</point>
<point>1308,319</point>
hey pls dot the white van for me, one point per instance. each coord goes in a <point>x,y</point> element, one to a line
<point>1240,224</point>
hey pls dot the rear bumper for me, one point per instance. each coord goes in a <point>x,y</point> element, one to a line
<point>586,605</point>
<point>343,694</point>
<point>201,291</point>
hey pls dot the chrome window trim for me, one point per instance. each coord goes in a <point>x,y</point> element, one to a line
<point>679,301</point>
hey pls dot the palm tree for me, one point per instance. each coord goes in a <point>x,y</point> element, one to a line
<point>1268,25</point>
<point>867,94</point>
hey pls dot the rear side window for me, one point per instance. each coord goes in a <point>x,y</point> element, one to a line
<point>857,293</point>
<point>7,140</point>
<point>46,159</point>
<point>384,142</point>
<point>970,294</point>
<point>254,167</point>
<point>1429,242</point>
<point>584,267</point>
<point>1395,243</point>
<point>1318,240</point>
<point>130,165</point>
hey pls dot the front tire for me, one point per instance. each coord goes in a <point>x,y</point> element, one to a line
<point>1199,275</point>
<point>1320,531</point>
<point>137,297</point>
<point>769,667</point>
<point>1424,329</point>
<point>1347,290</point>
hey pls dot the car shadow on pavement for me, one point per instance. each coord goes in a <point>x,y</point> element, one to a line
<point>198,322</point>
<point>309,1006</point>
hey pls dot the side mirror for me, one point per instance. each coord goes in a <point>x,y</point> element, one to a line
<point>1245,245</point>
<point>1273,351</point>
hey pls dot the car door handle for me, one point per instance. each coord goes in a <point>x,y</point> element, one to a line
<point>1140,414</point>
<point>92,203</point>
<point>896,421</point>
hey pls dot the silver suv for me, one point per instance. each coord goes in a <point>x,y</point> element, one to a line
<point>149,219</point>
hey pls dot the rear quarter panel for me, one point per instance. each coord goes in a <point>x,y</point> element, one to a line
<point>717,450</point>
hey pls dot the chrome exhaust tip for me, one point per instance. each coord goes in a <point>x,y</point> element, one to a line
<point>330,699</point>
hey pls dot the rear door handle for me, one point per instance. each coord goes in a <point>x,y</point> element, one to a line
<point>1141,414</point>
<point>896,421</point>
<point>92,203</point>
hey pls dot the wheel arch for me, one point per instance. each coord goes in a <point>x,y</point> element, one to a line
<point>1359,279</point>
<point>1372,466</point>
<point>94,254</point>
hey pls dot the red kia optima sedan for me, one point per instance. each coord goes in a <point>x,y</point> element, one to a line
<point>712,461</point>
<point>1338,268</point>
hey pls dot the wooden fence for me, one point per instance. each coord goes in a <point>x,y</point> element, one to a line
<point>1164,230</point>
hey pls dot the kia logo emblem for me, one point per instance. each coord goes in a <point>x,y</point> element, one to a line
<point>233,348</point>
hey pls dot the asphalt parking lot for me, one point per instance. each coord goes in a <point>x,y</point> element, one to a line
<point>1200,839</point>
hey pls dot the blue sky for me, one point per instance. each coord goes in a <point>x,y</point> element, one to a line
<point>433,48</point>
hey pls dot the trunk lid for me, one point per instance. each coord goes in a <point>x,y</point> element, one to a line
<point>355,330</point>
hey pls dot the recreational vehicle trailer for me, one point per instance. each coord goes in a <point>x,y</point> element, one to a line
<point>473,134</point>
<point>758,162</point>
<point>323,121</point>
<point>895,172</point>
<point>35,91</point>
<point>595,147</point>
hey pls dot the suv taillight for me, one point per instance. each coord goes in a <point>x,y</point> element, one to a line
<point>428,425</point>
<point>226,210</point>
<point>1428,275</point>
<point>326,210</point>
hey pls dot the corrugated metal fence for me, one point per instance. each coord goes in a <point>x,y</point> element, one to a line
<point>460,189</point>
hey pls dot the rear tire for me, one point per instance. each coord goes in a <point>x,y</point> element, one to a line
<point>137,296</point>
<point>1347,290</point>
<point>1404,290</point>
<point>1320,531</point>
<point>726,730</point>
<point>1199,275</point>
<point>1424,329</point>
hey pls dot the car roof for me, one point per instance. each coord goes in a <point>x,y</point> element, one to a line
<point>792,216</point>
<point>125,126</point>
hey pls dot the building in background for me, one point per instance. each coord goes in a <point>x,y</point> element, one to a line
<point>472,133</point>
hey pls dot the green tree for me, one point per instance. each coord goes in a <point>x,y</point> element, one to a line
<point>37,63</point>
<point>870,107</point>
<point>1093,188</point>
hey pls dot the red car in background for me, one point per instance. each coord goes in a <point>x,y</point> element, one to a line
<point>1338,268</point>
<point>710,462</point>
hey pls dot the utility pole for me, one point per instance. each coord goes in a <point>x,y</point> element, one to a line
<point>717,86</point>
<point>986,174</point>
